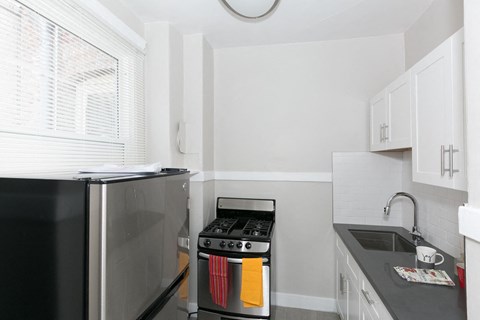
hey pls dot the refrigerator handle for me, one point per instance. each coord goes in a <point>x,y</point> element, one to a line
<point>184,242</point>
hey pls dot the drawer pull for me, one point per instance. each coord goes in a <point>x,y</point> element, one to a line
<point>343,281</point>
<point>451,171</point>
<point>367,297</point>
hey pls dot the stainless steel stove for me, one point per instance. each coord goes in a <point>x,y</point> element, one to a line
<point>243,229</point>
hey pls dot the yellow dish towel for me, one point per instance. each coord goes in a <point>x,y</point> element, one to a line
<point>183,261</point>
<point>252,283</point>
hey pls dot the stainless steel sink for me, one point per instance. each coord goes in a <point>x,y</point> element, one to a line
<point>383,241</point>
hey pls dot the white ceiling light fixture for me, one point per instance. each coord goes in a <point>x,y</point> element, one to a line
<point>251,9</point>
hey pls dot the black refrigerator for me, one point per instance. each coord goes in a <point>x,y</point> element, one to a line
<point>93,247</point>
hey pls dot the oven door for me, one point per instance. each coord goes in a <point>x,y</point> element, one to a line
<point>234,304</point>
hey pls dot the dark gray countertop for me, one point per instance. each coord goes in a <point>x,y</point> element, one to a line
<point>405,300</point>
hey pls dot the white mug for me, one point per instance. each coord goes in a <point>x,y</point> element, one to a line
<point>428,255</point>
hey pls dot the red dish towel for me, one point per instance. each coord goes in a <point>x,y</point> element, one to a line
<point>218,271</point>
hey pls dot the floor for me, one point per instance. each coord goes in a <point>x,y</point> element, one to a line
<point>282,313</point>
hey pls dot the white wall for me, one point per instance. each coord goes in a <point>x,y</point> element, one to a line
<point>287,107</point>
<point>198,98</point>
<point>472,80</point>
<point>163,93</point>
<point>124,14</point>
<point>439,22</point>
<point>284,109</point>
<point>177,94</point>
<point>208,108</point>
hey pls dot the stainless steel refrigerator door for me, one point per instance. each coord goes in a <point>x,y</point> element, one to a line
<point>234,304</point>
<point>176,308</point>
<point>140,224</point>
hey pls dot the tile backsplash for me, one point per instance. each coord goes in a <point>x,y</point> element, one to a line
<point>437,212</point>
<point>363,181</point>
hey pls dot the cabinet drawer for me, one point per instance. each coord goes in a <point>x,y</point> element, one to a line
<point>370,297</point>
<point>353,271</point>
<point>341,249</point>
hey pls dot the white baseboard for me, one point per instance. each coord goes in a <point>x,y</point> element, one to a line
<point>289,300</point>
<point>192,307</point>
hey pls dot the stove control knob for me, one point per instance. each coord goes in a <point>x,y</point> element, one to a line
<point>223,244</point>
<point>248,245</point>
<point>207,243</point>
<point>231,244</point>
<point>239,245</point>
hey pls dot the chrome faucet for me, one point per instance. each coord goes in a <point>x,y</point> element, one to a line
<point>416,235</point>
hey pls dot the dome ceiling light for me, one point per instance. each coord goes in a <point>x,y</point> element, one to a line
<point>251,9</point>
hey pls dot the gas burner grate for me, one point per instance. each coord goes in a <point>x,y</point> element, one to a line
<point>221,226</point>
<point>257,228</point>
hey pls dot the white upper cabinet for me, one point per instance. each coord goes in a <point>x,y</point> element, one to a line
<point>378,118</point>
<point>390,120</point>
<point>399,130</point>
<point>438,150</point>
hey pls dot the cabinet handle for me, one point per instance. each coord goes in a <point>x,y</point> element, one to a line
<point>342,284</point>
<point>451,171</point>
<point>385,127</point>
<point>342,289</point>
<point>381,132</point>
<point>442,160</point>
<point>367,297</point>
<point>450,152</point>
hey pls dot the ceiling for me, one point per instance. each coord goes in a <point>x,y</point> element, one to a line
<point>293,21</point>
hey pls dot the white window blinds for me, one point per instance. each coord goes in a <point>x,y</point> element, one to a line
<point>71,90</point>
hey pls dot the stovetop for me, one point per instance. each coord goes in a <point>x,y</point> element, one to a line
<point>242,225</point>
<point>241,228</point>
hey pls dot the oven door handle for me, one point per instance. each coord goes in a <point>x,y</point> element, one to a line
<point>230,260</point>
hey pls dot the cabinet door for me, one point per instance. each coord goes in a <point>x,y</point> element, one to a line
<point>341,280</point>
<point>398,130</point>
<point>432,89</point>
<point>378,117</point>
<point>438,116</point>
<point>458,140</point>
<point>364,312</point>
<point>353,300</point>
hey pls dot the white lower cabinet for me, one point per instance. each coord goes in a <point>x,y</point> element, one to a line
<point>341,289</point>
<point>356,298</point>
<point>364,312</point>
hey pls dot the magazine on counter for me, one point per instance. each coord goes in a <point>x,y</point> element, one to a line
<point>430,276</point>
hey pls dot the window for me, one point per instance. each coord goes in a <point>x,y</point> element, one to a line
<point>66,103</point>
